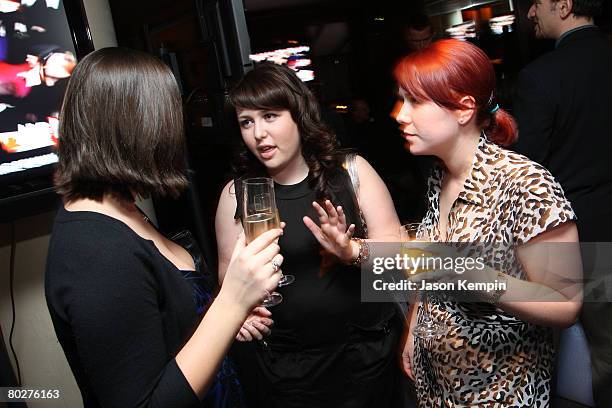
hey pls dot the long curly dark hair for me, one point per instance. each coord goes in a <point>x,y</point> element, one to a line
<point>274,87</point>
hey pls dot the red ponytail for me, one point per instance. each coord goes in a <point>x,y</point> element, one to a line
<point>502,128</point>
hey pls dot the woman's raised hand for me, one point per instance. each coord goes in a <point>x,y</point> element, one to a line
<point>253,271</point>
<point>333,234</point>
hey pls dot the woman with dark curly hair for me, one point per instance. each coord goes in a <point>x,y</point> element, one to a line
<point>327,348</point>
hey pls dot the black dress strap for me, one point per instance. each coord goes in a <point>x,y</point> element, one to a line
<point>239,197</point>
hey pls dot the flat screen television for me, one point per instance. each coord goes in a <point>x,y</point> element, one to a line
<point>297,58</point>
<point>40,43</point>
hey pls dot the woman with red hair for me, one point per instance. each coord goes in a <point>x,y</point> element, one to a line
<point>496,351</point>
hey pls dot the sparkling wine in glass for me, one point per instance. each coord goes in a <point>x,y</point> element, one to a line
<point>258,223</point>
<point>411,234</point>
<point>260,215</point>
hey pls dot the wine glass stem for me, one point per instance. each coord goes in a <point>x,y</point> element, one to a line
<point>426,317</point>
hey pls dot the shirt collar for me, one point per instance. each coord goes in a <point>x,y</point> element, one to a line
<point>573,30</point>
<point>478,182</point>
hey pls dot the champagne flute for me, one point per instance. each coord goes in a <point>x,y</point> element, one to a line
<point>428,328</point>
<point>259,214</point>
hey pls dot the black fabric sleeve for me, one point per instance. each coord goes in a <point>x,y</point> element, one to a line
<point>111,299</point>
<point>535,115</point>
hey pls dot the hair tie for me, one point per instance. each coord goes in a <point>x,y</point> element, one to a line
<point>495,109</point>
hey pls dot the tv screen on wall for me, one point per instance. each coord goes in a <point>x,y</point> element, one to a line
<point>39,47</point>
<point>297,58</point>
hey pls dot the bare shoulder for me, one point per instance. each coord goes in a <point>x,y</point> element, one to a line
<point>375,202</point>
<point>371,185</point>
<point>226,207</point>
<point>227,227</point>
<point>361,162</point>
<point>364,168</point>
<point>229,189</point>
<point>228,195</point>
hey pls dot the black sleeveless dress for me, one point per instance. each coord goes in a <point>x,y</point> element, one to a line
<point>327,348</point>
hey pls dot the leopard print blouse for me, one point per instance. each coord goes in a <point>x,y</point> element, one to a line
<point>489,358</point>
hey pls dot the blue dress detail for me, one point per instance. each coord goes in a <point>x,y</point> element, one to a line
<point>226,391</point>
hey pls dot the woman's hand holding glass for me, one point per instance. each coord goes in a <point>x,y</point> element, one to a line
<point>254,270</point>
<point>333,234</point>
<point>427,328</point>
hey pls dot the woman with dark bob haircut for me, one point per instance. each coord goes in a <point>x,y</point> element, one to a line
<point>326,348</point>
<point>128,304</point>
<point>496,350</point>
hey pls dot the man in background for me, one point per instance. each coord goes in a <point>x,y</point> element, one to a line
<point>563,109</point>
<point>418,33</point>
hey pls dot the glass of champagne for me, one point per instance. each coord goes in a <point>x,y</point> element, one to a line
<point>409,235</point>
<point>259,214</point>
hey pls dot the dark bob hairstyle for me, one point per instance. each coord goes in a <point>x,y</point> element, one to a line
<point>274,87</point>
<point>121,129</point>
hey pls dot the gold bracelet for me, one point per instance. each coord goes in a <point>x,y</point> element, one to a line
<point>364,251</point>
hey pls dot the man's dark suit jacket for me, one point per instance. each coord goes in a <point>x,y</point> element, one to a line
<point>563,107</point>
